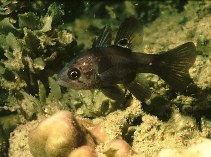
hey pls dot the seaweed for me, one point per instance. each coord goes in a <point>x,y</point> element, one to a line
<point>3,143</point>
<point>34,46</point>
<point>30,45</point>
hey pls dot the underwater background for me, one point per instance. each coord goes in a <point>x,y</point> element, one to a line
<point>39,37</point>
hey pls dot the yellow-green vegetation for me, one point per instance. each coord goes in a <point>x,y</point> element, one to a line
<point>32,44</point>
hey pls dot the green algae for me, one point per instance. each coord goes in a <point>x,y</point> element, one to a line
<point>30,45</point>
<point>3,143</point>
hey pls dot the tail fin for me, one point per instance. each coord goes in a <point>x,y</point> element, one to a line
<point>173,65</point>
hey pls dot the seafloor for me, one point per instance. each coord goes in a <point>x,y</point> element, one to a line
<point>176,125</point>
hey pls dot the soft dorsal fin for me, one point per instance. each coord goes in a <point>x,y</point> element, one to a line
<point>104,39</point>
<point>128,30</point>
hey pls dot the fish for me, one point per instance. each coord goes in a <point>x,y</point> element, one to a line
<point>110,63</point>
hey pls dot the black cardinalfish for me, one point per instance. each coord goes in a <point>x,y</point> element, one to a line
<point>108,64</point>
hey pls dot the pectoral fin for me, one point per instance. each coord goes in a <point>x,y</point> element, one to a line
<point>117,75</point>
<point>114,92</point>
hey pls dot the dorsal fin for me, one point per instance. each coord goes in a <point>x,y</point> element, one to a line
<point>128,30</point>
<point>104,39</point>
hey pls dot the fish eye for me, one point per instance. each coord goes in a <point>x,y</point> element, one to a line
<point>123,42</point>
<point>73,74</point>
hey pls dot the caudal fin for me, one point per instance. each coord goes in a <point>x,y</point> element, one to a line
<point>173,66</point>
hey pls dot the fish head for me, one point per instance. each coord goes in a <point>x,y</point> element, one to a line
<point>80,73</point>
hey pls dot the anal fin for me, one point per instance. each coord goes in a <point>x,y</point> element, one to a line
<point>139,89</point>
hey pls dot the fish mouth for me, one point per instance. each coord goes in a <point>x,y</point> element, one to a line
<point>61,83</point>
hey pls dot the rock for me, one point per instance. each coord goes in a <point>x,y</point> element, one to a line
<point>57,136</point>
<point>86,151</point>
<point>198,150</point>
<point>118,148</point>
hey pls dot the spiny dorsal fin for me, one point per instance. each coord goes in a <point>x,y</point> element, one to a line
<point>104,39</point>
<point>128,30</point>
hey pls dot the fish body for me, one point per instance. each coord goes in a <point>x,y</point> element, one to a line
<point>105,65</point>
<point>95,63</point>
